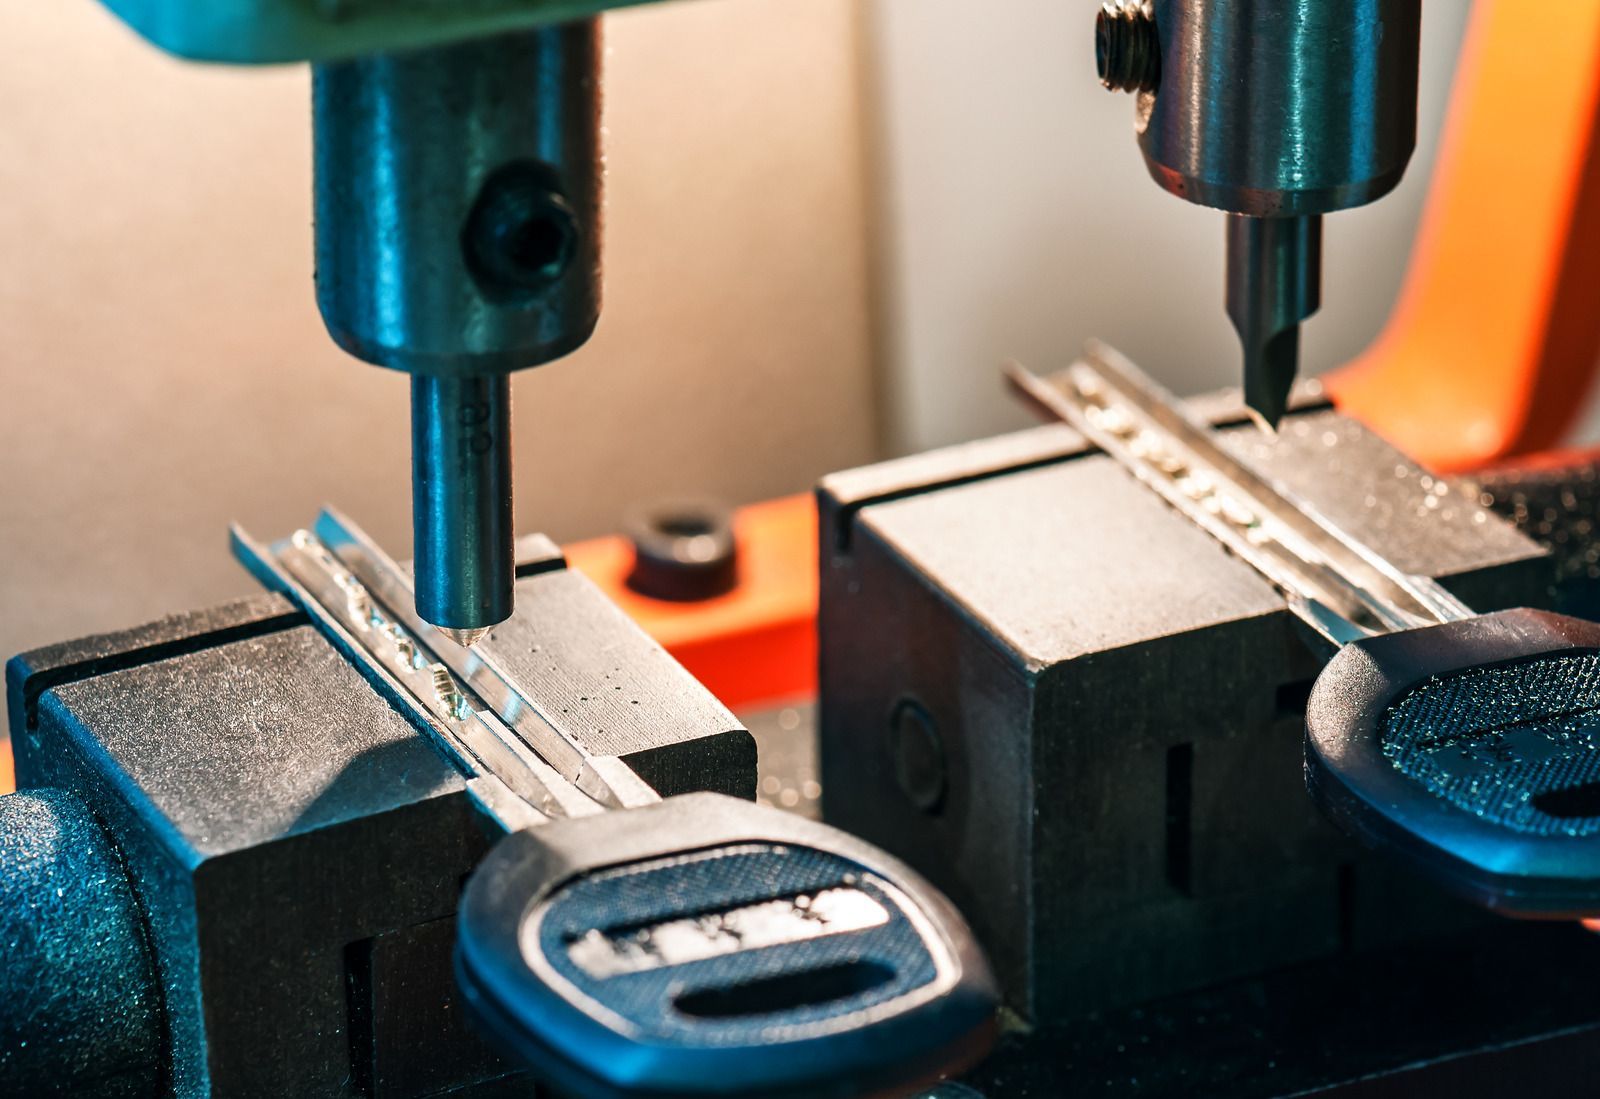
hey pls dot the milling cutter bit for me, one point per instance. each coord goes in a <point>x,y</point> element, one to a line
<point>461,503</point>
<point>1274,283</point>
<point>458,240</point>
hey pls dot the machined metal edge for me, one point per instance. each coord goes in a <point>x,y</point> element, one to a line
<point>257,32</point>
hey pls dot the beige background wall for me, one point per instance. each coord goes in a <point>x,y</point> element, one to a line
<point>1023,221</point>
<point>811,203</point>
<point>163,370</point>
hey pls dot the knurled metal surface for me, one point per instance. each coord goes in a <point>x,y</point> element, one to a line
<point>1496,741</point>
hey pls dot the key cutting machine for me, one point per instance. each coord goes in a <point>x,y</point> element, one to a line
<point>401,833</point>
<point>249,879</point>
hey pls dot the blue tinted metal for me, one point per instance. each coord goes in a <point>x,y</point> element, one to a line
<point>1499,741</point>
<point>1277,109</point>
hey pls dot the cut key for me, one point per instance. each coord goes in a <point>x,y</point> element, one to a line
<point>622,945</point>
<point>1466,745</point>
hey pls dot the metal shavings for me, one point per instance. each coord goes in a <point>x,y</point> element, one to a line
<point>404,652</point>
<point>1560,509</point>
<point>449,696</point>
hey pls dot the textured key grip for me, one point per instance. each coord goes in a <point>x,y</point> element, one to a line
<point>707,946</point>
<point>1471,749</point>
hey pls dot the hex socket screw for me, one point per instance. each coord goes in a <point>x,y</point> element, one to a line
<point>1127,50</point>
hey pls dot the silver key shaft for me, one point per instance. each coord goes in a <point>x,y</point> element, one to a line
<point>607,779</point>
<point>1339,586</point>
<point>507,778</point>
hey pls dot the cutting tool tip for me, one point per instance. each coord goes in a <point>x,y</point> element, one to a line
<point>466,638</point>
<point>1269,372</point>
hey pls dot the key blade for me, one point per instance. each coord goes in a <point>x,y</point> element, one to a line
<point>504,777</point>
<point>1283,537</point>
<point>606,779</point>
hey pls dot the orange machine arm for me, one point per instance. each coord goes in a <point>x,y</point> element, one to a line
<point>1496,335</point>
<point>758,643</point>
